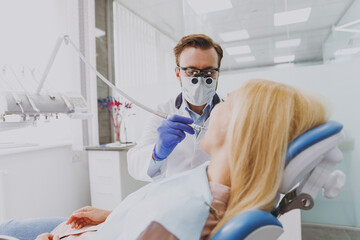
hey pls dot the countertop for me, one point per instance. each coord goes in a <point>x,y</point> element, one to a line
<point>111,147</point>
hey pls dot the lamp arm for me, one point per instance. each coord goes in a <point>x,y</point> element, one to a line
<point>50,63</point>
<point>112,86</point>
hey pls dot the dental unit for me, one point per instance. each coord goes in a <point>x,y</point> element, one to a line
<point>31,106</point>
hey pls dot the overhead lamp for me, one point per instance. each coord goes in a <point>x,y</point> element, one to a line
<point>291,17</point>
<point>234,35</point>
<point>208,6</point>
<point>288,43</point>
<point>245,59</point>
<point>282,59</point>
<point>347,51</point>
<point>238,50</point>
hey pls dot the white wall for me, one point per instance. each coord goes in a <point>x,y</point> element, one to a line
<point>42,180</point>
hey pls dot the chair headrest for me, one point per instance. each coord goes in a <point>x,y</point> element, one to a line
<point>312,137</point>
<point>307,151</point>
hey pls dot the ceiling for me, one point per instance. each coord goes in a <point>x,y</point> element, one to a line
<point>175,18</point>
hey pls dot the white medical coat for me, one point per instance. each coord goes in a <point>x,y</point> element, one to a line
<point>186,155</point>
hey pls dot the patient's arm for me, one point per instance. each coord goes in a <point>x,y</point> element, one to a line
<point>87,216</point>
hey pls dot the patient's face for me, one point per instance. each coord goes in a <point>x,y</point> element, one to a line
<point>219,121</point>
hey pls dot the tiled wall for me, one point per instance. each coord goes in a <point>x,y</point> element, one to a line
<point>104,64</point>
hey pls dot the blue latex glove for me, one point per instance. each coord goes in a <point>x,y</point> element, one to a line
<point>170,133</point>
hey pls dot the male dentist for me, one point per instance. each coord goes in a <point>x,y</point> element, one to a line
<point>170,146</point>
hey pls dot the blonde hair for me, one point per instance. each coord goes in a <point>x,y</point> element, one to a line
<point>266,117</point>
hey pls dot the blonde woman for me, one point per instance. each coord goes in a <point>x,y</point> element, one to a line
<point>247,140</point>
<point>251,147</point>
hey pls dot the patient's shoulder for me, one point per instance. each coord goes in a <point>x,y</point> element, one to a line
<point>221,195</point>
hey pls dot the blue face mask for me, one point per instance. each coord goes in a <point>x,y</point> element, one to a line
<point>198,91</point>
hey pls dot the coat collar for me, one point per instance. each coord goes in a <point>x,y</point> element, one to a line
<point>179,101</point>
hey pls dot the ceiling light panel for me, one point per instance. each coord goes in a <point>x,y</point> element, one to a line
<point>291,17</point>
<point>208,6</point>
<point>234,36</point>
<point>245,59</point>
<point>347,51</point>
<point>238,50</point>
<point>283,59</point>
<point>288,43</point>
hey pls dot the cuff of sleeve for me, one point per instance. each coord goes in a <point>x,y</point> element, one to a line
<point>154,168</point>
<point>155,157</point>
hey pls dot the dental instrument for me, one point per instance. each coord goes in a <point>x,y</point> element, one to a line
<point>26,93</point>
<point>29,106</point>
<point>16,98</point>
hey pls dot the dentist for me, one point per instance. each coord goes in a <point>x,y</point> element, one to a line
<point>170,146</point>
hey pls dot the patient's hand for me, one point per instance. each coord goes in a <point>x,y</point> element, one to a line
<point>47,236</point>
<point>86,216</point>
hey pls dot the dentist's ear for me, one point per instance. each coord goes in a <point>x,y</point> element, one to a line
<point>177,73</point>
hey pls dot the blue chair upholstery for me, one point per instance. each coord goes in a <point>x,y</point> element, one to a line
<point>308,155</point>
<point>250,223</point>
<point>310,138</point>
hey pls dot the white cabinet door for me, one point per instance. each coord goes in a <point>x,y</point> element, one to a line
<point>110,181</point>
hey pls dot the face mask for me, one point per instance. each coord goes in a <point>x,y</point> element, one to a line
<point>198,90</point>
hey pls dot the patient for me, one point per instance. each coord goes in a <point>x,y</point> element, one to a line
<point>247,139</point>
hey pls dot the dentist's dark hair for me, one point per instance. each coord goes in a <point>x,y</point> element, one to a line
<point>197,41</point>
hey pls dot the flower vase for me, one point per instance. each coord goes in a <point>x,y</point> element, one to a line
<point>117,134</point>
<point>124,132</point>
<point>120,130</point>
<point>117,126</point>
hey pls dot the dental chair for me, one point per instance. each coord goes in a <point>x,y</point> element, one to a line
<point>309,162</point>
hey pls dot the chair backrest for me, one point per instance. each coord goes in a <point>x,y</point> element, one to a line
<point>309,161</point>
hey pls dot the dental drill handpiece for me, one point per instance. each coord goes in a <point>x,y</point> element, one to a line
<point>193,125</point>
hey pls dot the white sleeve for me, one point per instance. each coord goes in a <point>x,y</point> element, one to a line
<point>155,167</point>
<point>139,157</point>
